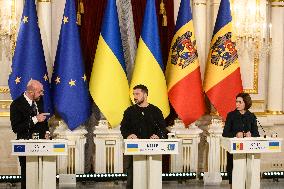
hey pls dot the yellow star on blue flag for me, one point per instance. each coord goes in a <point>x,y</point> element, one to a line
<point>69,90</point>
<point>29,61</point>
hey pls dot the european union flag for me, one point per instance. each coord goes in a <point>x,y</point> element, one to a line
<point>69,84</point>
<point>19,148</point>
<point>29,61</point>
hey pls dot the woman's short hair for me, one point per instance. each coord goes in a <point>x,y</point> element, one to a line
<point>246,98</point>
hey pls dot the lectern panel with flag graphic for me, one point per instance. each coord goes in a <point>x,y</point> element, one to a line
<point>147,160</point>
<point>183,70</point>
<point>246,158</point>
<point>222,80</point>
<point>29,61</point>
<point>40,160</point>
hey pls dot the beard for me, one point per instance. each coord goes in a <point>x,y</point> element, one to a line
<point>138,102</point>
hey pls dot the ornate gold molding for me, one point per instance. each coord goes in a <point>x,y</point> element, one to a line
<point>4,90</point>
<point>260,114</point>
<point>276,1</point>
<point>196,4</point>
<point>269,112</point>
<point>14,28</point>
<point>277,5</point>
<point>258,101</point>
<point>4,107</point>
<point>254,90</point>
<point>42,1</point>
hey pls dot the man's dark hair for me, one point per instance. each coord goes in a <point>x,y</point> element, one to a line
<point>246,98</point>
<point>142,87</point>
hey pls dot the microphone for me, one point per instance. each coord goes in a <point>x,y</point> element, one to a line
<point>261,128</point>
<point>159,130</point>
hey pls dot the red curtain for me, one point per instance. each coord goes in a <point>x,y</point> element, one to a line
<point>92,21</point>
<point>90,30</point>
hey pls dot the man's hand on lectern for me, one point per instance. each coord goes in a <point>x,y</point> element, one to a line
<point>154,137</point>
<point>132,136</point>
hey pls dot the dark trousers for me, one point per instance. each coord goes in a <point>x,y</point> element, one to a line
<point>129,171</point>
<point>229,166</point>
<point>22,160</point>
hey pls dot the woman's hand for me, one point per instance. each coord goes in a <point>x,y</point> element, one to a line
<point>248,134</point>
<point>240,135</point>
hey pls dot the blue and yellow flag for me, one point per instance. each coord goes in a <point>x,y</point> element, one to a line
<point>183,70</point>
<point>108,84</point>
<point>29,61</point>
<point>148,67</point>
<point>222,81</point>
<point>69,84</point>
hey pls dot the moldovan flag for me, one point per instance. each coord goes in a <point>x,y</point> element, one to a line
<point>183,70</point>
<point>148,66</point>
<point>108,84</point>
<point>222,80</point>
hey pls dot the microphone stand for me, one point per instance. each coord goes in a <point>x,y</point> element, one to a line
<point>261,128</point>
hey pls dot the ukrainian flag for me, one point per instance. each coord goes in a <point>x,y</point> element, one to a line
<point>222,80</point>
<point>58,147</point>
<point>108,84</point>
<point>132,148</point>
<point>148,67</point>
<point>274,146</point>
<point>183,70</point>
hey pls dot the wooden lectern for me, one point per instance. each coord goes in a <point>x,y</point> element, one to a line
<point>246,153</point>
<point>41,160</point>
<point>147,160</point>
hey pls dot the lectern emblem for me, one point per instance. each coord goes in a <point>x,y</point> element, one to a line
<point>171,147</point>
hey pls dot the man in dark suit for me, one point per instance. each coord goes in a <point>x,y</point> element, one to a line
<point>27,117</point>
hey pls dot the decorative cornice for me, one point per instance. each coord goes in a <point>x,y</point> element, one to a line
<point>258,101</point>
<point>276,1</point>
<point>4,107</point>
<point>270,112</point>
<point>196,4</point>
<point>260,114</point>
<point>43,1</point>
<point>4,114</point>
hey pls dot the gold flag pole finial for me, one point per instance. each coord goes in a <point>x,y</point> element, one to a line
<point>164,13</point>
<point>78,14</point>
<point>82,10</point>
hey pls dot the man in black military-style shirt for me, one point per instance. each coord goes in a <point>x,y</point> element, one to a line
<point>142,120</point>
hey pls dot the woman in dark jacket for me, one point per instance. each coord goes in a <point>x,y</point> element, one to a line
<point>240,123</point>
